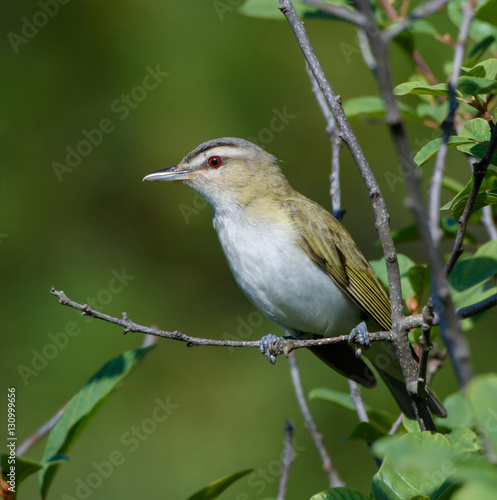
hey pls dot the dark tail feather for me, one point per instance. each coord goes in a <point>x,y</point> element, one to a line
<point>342,359</point>
<point>399,392</point>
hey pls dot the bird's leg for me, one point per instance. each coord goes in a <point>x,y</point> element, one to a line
<point>267,347</point>
<point>359,335</point>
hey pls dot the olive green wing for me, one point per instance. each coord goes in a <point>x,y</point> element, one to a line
<point>330,245</point>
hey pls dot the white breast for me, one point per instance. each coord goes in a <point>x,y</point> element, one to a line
<point>281,280</point>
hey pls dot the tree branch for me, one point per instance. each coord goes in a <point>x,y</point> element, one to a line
<point>448,125</point>
<point>333,476</point>
<point>450,327</point>
<point>280,346</point>
<point>420,12</point>
<point>479,171</point>
<point>287,460</point>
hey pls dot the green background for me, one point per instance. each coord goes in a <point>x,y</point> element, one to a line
<point>227,75</point>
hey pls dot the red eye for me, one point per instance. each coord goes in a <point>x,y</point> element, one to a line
<point>214,161</point>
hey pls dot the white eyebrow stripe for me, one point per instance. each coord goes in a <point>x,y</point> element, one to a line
<point>222,151</point>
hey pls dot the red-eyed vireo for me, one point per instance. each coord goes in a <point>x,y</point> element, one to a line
<point>294,260</point>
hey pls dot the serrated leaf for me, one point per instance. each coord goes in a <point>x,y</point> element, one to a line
<point>340,494</point>
<point>430,150</point>
<point>82,408</point>
<point>482,395</point>
<point>216,488</point>
<point>343,400</point>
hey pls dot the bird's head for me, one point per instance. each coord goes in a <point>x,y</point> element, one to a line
<point>227,170</point>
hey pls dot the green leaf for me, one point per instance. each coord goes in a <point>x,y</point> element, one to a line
<point>478,50</point>
<point>404,234</point>
<point>217,487</point>
<point>421,88</point>
<point>478,151</point>
<point>470,85</point>
<point>478,30</point>
<point>477,129</point>
<point>340,494</point>
<point>459,413</point>
<point>485,69</point>
<point>487,12</point>
<point>430,150</point>
<point>342,399</point>
<point>404,472</point>
<point>424,27</point>
<point>268,9</point>
<point>24,467</point>
<point>419,278</point>
<point>473,294</point>
<point>405,263</point>
<point>482,395</point>
<point>476,268</point>
<point>365,431</point>
<point>373,107</point>
<point>452,185</point>
<point>81,410</point>
<point>481,200</point>
<point>435,112</point>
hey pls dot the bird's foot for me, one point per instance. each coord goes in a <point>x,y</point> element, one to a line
<point>359,335</point>
<point>266,346</point>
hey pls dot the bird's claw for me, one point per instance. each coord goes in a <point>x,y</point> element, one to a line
<point>266,345</point>
<point>359,335</point>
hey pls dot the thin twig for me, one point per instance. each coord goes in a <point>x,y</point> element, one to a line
<point>355,396</point>
<point>333,476</point>
<point>448,125</point>
<point>280,346</point>
<point>287,460</point>
<point>396,424</point>
<point>488,222</point>
<point>422,11</point>
<point>336,146</point>
<point>342,13</point>
<point>426,347</point>
<point>416,320</point>
<point>479,171</point>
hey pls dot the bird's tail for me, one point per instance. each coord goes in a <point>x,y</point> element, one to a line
<point>399,392</point>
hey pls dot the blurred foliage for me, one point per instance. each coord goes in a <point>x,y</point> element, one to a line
<point>112,91</point>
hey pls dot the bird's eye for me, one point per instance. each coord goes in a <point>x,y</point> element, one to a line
<point>214,162</point>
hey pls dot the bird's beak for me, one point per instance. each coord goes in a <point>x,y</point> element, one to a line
<point>169,174</point>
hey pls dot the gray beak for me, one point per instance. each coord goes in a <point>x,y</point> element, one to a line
<point>169,174</point>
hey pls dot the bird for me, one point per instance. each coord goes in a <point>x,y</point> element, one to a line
<point>295,262</point>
